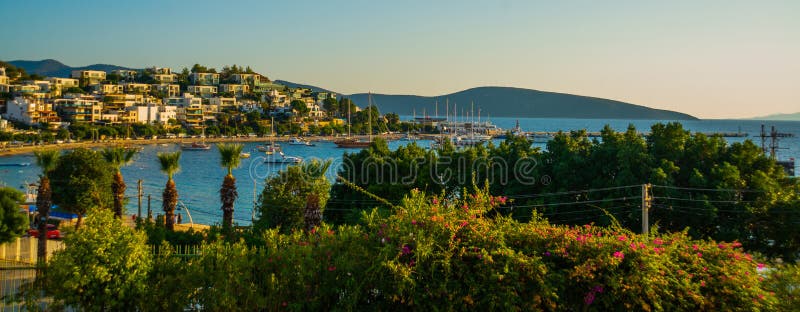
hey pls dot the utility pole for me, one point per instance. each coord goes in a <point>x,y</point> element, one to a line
<point>646,201</point>
<point>149,212</point>
<point>139,197</point>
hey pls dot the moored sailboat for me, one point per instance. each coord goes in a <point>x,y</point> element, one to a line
<point>350,142</point>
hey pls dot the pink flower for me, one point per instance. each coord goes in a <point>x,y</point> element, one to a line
<point>406,250</point>
<point>435,201</point>
<point>332,268</point>
<point>657,241</point>
<point>621,238</point>
<point>619,254</point>
<point>761,266</point>
<point>694,246</point>
<point>700,254</point>
<point>721,246</point>
<point>464,223</point>
<point>703,283</point>
<point>736,244</point>
<point>589,298</point>
<point>413,221</point>
<point>546,253</point>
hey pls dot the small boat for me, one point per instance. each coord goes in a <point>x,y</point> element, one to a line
<point>134,148</point>
<point>196,146</point>
<point>409,137</point>
<point>269,148</point>
<point>349,142</point>
<point>299,141</point>
<point>280,158</point>
<point>352,143</point>
<point>16,165</point>
<point>244,155</point>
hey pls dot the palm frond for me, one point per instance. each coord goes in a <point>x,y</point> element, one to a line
<point>230,155</point>
<point>118,156</point>
<point>170,162</point>
<point>47,159</point>
<point>316,168</point>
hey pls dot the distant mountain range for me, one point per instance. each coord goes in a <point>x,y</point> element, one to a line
<point>494,101</point>
<point>53,68</point>
<point>790,117</point>
<point>511,102</point>
<point>518,102</point>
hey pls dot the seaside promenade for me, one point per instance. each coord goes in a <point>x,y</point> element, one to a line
<point>24,149</point>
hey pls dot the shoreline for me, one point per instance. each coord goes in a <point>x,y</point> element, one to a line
<point>11,151</point>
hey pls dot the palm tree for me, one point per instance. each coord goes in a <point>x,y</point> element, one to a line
<point>170,164</point>
<point>118,157</point>
<point>229,158</point>
<point>46,160</point>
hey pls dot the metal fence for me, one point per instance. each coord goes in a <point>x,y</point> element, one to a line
<point>13,277</point>
<point>18,270</point>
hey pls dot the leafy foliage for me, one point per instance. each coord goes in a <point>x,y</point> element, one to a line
<point>732,192</point>
<point>81,182</point>
<point>283,201</point>
<point>12,222</point>
<point>456,253</point>
<point>103,266</point>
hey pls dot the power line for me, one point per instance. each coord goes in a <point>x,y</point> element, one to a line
<point>708,189</point>
<point>573,192</point>
<point>579,202</point>
<point>705,200</point>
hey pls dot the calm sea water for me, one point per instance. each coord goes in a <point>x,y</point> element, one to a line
<point>200,177</point>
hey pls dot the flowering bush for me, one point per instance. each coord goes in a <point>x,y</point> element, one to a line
<point>448,253</point>
<point>459,253</point>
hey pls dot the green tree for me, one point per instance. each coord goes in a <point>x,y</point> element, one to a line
<point>80,182</point>
<point>283,202</point>
<point>230,157</point>
<point>331,106</point>
<point>103,266</point>
<point>47,161</point>
<point>12,222</point>
<point>170,164</point>
<point>300,107</point>
<point>118,157</point>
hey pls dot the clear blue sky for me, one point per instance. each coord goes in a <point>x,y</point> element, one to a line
<point>712,59</point>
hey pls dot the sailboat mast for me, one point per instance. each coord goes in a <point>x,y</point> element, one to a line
<point>348,118</point>
<point>369,115</point>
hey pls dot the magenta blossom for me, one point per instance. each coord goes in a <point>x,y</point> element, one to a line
<point>619,255</point>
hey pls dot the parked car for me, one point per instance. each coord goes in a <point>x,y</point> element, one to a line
<point>52,232</point>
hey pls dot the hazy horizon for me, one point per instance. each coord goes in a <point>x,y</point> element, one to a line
<point>714,59</point>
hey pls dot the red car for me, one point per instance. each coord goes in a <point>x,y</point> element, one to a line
<point>52,232</point>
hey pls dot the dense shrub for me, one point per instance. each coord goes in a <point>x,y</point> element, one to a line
<point>444,253</point>
<point>458,253</point>
<point>102,268</point>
